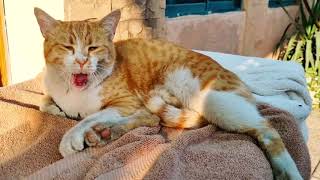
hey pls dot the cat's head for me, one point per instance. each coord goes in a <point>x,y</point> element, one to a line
<point>81,53</point>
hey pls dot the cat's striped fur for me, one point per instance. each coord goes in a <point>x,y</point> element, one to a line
<point>138,82</point>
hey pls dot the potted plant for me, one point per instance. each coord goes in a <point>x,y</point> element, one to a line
<point>302,44</point>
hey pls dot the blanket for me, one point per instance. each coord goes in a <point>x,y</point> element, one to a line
<point>281,84</point>
<point>29,142</point>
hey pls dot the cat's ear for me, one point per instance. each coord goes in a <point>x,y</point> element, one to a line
<point>110,22</point>
<point>45,21</point>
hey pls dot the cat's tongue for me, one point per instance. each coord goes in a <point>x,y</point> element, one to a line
<point>80,80</point>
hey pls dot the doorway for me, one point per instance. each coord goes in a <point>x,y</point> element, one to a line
<point>3,48</point>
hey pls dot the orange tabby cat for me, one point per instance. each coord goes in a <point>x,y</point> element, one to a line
<point>139,82</point>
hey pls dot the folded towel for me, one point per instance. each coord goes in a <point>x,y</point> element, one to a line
<point>29,142</point>
<point>278,83</point>
<point>206,153</point>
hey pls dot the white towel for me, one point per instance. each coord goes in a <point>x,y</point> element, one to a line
<point>278,83</point>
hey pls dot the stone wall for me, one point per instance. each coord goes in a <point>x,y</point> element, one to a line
<point>215,32</point>
<point>264,27</point>
<point>139,18</point>
<point>253,31</point>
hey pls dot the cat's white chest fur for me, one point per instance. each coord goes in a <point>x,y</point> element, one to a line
<point>83,103</point>
<point>74,102</point>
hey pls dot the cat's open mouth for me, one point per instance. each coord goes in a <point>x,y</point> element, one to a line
<point>80,80</point>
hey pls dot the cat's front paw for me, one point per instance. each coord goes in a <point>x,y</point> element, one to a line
<point>52,109</point>
<point>99,134</point>
<point>73,140</point>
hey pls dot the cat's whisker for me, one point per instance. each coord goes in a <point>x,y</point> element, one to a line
<point>102,69</point>
<point>95,77</point>
<point>66,78</point>
<point>97,73</point>
<point>98,76</point>
<point>65,75</point>
<point>102,66</point>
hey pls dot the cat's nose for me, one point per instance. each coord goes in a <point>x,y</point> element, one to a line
<point>81,62</point>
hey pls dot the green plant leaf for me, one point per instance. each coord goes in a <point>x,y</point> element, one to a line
<point>298,53</point>
<point>304,45</point>
<point>313,30</point>
<point>294,21</point>
<point>316,10</point>
<point>308,55</point>
<point>291,46</point>
<point>317,63</point>
<point>304,20</point>
<point>280,45</point>
<point>311,13</point>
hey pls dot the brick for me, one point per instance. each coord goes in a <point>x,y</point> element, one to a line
<point>122,31</point>
<point>132,11</point>
<point>118,4</point>
<point>145,33</point>
<point>136,26</point>
<point>84,9</point>
<point>154,9</point>
<point>139,18</point>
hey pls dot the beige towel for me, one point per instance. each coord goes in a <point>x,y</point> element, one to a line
<point>29,142</point>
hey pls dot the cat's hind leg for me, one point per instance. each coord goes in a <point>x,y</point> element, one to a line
<point>234,113</point>
<point>175,117</point>
<point>170,110</point>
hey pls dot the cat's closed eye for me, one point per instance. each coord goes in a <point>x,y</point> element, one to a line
<point>92,48</point>
<point>70,48</point>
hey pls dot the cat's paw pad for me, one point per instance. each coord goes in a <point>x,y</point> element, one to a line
<point>52,109</point>
<point>99,135</point>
